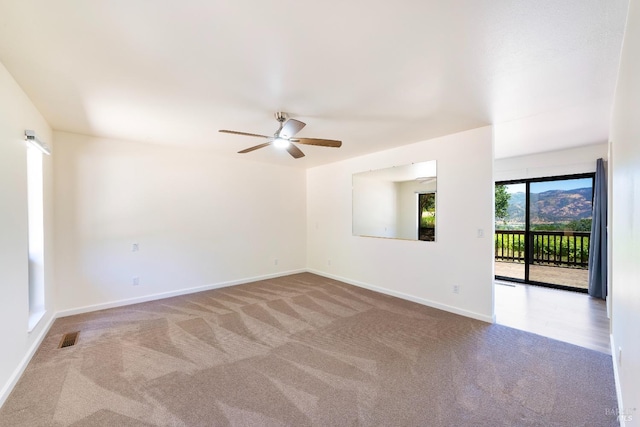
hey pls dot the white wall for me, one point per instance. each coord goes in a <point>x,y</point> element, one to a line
<point>625,220</point>
<point>199,220</point>
<point>552,163</point>
<point>17,114</point>
<point>423,271</point>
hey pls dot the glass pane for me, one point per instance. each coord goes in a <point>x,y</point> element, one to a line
<point>510,226</point>
<point>560,222</point>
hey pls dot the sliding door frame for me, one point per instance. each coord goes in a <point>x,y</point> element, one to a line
<point>528,255</point>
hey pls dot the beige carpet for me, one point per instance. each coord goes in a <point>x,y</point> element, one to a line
<point>304,350</point>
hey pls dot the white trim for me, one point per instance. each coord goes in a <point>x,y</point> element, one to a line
<point>153,297</point>
<point>34,319</point>
<point>33,141</point>
<point>428,303</point>
<point>616,379</point>
<point>17,373</point>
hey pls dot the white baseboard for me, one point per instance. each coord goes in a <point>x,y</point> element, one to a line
<point>17,373</point>
<point>428,303</point>
<point>616,378</point>
<point>179,292</point>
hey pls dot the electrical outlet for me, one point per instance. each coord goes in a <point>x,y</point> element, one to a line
<point>135,247</point>
<point>275,261</point>
<point>480,233</point>
<point>136,281</point>
<point>328,262</point>
<point>456,289</point>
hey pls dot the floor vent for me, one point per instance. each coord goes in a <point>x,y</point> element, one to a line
<point>69,339</point>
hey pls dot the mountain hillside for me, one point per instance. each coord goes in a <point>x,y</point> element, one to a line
<point>551,206</point>
<point>516,208</point>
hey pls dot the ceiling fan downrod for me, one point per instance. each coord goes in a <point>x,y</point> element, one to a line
<point>281,117</point>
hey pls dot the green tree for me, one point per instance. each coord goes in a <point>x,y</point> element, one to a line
<point>427,210</point>
<point>580,225</point>
<point>502,202</point>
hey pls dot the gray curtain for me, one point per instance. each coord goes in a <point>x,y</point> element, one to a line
<point>598,240</point>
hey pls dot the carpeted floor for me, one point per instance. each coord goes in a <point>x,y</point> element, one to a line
<point>305,350</point>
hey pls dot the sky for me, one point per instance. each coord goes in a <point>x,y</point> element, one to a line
<point>540,187</point>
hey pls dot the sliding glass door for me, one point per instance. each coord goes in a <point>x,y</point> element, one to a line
<point>543,235</point>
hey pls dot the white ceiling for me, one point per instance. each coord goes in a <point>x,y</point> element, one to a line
<point>375,74</point>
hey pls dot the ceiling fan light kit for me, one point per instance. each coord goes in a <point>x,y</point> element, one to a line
<point>281,142</point>
<point>283,138</point>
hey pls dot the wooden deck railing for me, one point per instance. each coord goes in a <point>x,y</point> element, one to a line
<point>510,245</point>
<point>561,248</point>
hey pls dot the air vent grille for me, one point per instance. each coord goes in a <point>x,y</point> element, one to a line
<point>69,339</point>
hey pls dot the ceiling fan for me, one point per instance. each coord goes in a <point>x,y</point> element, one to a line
<point>283,138</point>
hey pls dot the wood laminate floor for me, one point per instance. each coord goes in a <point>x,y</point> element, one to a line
<point>567,316</point>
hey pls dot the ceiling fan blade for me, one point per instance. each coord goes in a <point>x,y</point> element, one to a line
<point>247,150</point>
<point>320,142</point>
<point>294,151</point>
<point>290,128</point>
<point>243,133</point>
